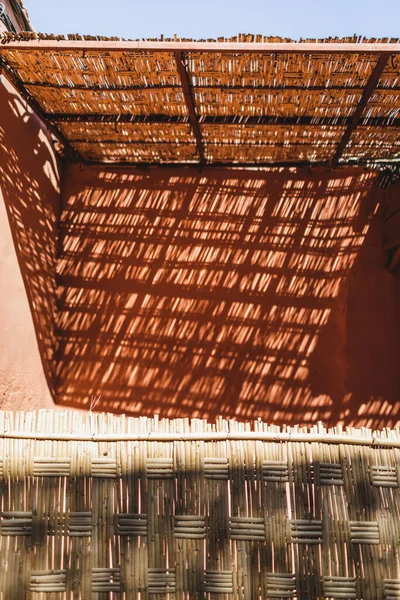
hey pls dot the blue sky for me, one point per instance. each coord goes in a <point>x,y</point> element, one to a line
<point>212,18</point>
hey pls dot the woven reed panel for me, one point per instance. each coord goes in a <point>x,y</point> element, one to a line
<point>297,89</point>
<point>284,103</point>
<point>368,141</point>
<point>257,70</point>
<point>100,68</point>
<point>142,508</point>
<point>128,132</point>
<point>151,152</point>
<point>272,134</point>
<point>263,153</point>
<point>384,103</point>
<point>270,142</point>
<point>137,102</point>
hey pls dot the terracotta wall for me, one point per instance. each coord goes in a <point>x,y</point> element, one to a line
<point>245,293</point>
<point>30,203</point>
<point>391,231</point>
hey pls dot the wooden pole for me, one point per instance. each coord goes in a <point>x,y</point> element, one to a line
<point>356,118</point>
<point>190,103</point>
<point>294,121</point>
<point>241,88</point>
<point>367,439</point>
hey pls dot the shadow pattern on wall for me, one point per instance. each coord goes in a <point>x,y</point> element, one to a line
<point>30,185</point>
<point>191,293</point>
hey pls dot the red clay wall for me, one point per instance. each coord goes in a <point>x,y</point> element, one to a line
<point>245,293</point>
<point>391,231</point>
<point>29,201</point>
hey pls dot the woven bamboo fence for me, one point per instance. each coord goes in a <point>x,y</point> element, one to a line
<point>99,506</point>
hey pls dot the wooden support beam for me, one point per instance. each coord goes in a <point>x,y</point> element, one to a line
<point>213,144</point>
<point>393,262</point>
<point>219,120</point>
<point>223,47</point>
<point>190,104</point>
<point>254,166</point>
<point>228,88</point>
<point>357,115</point>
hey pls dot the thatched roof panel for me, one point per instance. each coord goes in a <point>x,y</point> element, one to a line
<point>255,70</point>
<point>372,142</point>
<point>239,101</point>
<point>147,152</point>
<point>128,132</point>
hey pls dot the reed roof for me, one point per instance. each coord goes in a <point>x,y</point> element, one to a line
<point>246,100</point>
